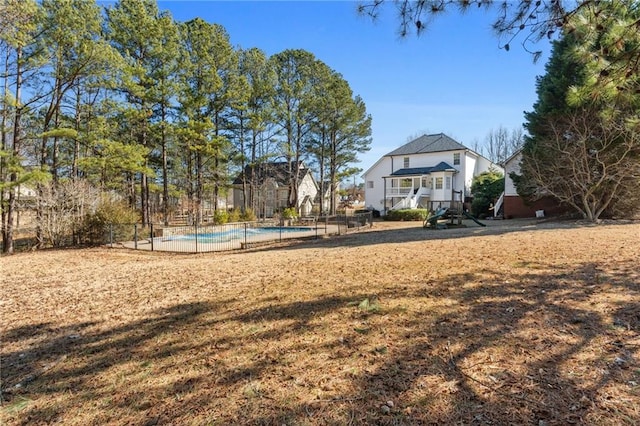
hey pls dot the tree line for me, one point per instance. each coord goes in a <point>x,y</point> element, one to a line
<point>134,103</point>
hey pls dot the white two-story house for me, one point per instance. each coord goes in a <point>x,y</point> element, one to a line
<point>429,172</point>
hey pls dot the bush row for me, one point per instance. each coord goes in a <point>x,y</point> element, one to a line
<point>407,215</point>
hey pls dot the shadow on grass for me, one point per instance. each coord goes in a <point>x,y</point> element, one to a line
<point>527,352</point>
<point>50,364</point>
<point>530,348</point>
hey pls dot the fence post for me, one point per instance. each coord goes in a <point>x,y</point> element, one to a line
<point>135,236</point>
<point>111,235</point>
<point>315,221</point>
<point>280,229</point>
<point>195,227</point>
<point>245,236</point>
<point>151,235</point>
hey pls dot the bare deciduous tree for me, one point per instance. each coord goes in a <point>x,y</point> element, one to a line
<point>500,143</point>
<point>588,162</point>
<point>64,207</point>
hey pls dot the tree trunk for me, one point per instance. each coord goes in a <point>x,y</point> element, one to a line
<point>13,177</point>
<point>144,185</point>
<point>199,190</point>
<point>76,143</point>
<point>165,174</point>
<point>3,192</point>
<point>321,161</point>
<point>55,148</point>
<point>243,165</point>
<point>332,173</point>
<point>254,166</point>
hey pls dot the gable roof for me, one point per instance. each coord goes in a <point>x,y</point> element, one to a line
<point>512,157</point>
<point>428,143</point>
<point>278,171</point>
<point>440,167</point>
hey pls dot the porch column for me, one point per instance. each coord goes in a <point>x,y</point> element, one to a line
<point>384,194</point>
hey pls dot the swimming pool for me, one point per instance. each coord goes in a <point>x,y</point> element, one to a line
<point>240,233</point>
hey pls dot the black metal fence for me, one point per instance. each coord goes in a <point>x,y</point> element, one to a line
<point>231,236</point>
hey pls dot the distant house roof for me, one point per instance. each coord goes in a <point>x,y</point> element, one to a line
<point>428,143</point>
<point>512,157</point>
<point>278,171</point>
<point>440,167</point>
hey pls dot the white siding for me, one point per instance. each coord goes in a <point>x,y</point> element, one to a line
<point>470,162</point>
<point>513,165</point>
<point>470,165</point>
<point>307,187</point>
<point>475,165</point>
<point>426,160</point>
<point>442,194</point>
<point>374,197</point>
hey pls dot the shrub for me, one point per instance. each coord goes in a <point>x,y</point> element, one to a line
<point>289,213</point>
<point>97,224</point>
<point>486,189</point>
<point>234,216</point>
<point>220,217</point>
<point>407,215</point>
<point>248,215</point>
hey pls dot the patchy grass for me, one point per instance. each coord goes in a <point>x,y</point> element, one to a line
<point>536,324</point>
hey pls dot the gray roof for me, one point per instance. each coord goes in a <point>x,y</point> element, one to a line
<point>428,143</point>
<point>278,170</point>
<point>441,167</point>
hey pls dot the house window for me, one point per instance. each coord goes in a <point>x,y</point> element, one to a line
<point>438,183</point>
<point>456,158</point>
<point>406,162</point>
<point>424,183</point>
<point>405,183</point>
<point>370,184</point>
<point>447,181</point>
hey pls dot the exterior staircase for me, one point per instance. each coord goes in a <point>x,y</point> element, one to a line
<point>411,200</point>
<point>498,205</point>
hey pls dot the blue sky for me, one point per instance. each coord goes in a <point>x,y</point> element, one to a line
<point>452,79</point>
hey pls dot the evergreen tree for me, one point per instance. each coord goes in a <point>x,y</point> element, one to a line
<point>209,88</point>
<point>486,189</point>
<point>293,101</point>
<point>562,71</point>
<point>342,130</point>
<point>23,60</point>
<point>135,30</point>
<point>166,74</point>
<point>70,38</point>
<point>254,117</point>
<point>580,153</point>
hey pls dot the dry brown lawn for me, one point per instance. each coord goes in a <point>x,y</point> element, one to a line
<point>515,323</point>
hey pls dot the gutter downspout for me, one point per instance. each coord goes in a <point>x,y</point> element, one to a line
<point>385,188</point>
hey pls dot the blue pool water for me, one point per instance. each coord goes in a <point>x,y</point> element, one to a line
<point>239,234</point>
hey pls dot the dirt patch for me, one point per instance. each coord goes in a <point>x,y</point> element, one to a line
<point>520,322</point>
